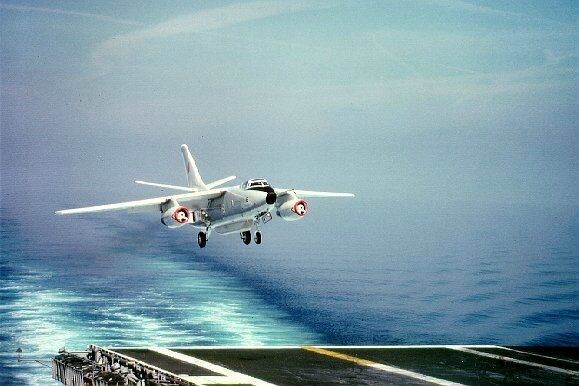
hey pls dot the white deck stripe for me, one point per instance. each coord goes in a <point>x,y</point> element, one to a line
<point>412,374</point>
<point>380,366</point>
<point>211,366</point>
<point>211,380</point>
<point>143,363</point>
<point>526,363</point>
<point>539,355</point>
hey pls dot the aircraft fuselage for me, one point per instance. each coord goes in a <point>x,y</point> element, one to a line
<point>236,206</point>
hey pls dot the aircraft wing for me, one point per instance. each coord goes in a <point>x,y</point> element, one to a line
<point>150,204</point>
<point>309,193</point>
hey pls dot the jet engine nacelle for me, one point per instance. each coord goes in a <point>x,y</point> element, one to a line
<point>292,210</point>
<point>176,216</point>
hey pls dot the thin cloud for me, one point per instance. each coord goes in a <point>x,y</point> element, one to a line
<point>476,8</point>
<point>397,58</point>
<point>206,20</point>
<point>108,19</point>
<point>552,59</point>
<point>462,5</point>
<point>272,42</point>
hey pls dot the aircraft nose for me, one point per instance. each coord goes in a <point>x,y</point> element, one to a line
<point>270,198</point>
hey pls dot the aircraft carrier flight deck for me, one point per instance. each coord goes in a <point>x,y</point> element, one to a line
<point>319,365</point>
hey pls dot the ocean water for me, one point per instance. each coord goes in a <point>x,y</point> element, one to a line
<point>389,274</point>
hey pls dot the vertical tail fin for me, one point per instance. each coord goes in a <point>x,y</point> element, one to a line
<point>194,180</point>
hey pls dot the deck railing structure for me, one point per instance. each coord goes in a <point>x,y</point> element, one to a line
<point>101,367</point>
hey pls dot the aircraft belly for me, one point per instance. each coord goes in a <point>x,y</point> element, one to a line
<point>229,218</point>
<point>228,213</point>
<point>234,227</point>
<point>237,216</point>
<point>233,212</point>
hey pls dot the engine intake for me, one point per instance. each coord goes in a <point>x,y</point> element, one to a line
<point>176,216</point>
<point>292,210</point>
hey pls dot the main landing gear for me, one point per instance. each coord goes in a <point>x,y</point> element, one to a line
<point>202,239</point>
<point>246,237</point>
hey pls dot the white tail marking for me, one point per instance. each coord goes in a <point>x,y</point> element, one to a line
<point>194,179</point>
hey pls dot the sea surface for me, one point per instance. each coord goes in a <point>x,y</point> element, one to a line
<point>373,273</point>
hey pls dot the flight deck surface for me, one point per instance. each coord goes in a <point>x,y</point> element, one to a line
<point>330,365</point>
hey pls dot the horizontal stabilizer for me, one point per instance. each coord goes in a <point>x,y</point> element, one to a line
<point>309,193</point>
<point>184,188</point>
<point>220,182</point>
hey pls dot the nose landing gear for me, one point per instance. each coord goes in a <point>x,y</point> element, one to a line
<point>202,239</point>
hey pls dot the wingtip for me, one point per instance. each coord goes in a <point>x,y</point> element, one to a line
<point>184,147</point>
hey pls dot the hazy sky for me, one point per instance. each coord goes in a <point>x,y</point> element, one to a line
<point>442,100</point>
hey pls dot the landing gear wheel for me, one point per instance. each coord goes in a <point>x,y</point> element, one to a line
<point>258,237</point>
<point>246,237</point>
<point>202,239</point>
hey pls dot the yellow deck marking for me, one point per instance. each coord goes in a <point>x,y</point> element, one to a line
<point>380,366</point>
<point>345,357</point>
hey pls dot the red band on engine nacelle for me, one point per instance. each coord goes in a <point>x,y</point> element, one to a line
<point>300,208</point>
<point>181,215</point>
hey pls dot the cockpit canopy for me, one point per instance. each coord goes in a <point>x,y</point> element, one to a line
<point>254,183</point>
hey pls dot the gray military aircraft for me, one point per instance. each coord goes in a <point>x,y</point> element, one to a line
<point>224,210</point>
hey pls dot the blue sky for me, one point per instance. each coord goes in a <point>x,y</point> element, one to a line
<point>437,101</point>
